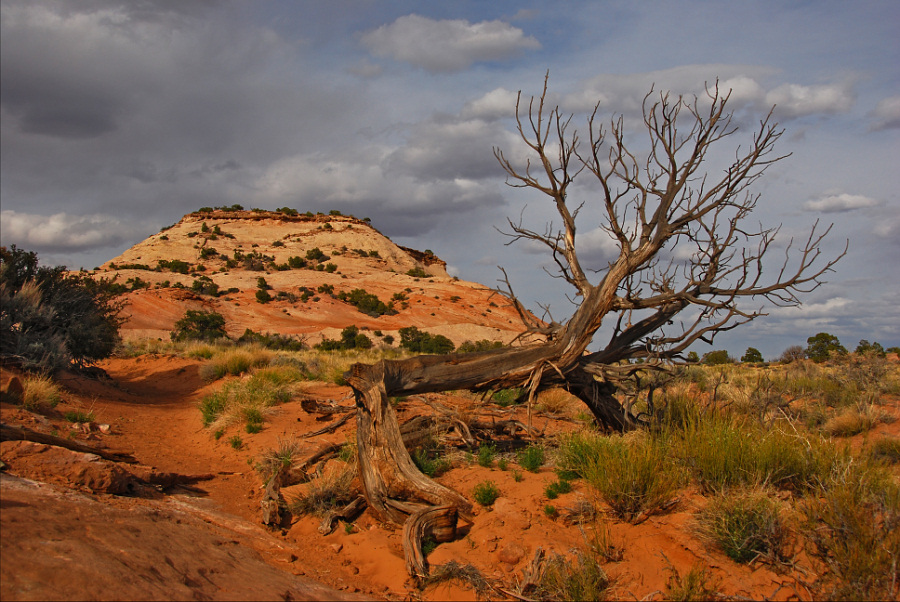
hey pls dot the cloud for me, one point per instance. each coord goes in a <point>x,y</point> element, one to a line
<point>886,114</point>
<point>355,183</point>
<point>442,46</point>
<point>496,104</point>
<point>61,232</point>
<point>624,93</point>
<point>795,100</point>
<point>840,203</point>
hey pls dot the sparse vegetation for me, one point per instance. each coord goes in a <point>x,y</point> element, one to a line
<point>323,494</point>
<point>532,458</point>
<point>199,325</point>
<point>745,525</point>
<point>486,493</point>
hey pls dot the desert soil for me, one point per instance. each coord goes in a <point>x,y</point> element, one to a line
<point>65,536</point>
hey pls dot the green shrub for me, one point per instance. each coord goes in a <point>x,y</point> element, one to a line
<point>366,303</point>
<point>50,318</point>
<point>199,325</point>
<point>486,454</point>
<point>79,416</point>
<point>236,442</point>
<point>486,493</point>
<point>418,341</point>
<point>430,464</point>
<point>531,458</point>
<point>752,356</point>
<point>717,358</point>
<point>554,489</point>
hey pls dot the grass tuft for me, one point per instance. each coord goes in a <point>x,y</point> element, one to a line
<point>581,578</point>
<point>40,391</point>
<point>745,524</point>
<point>327,492</point>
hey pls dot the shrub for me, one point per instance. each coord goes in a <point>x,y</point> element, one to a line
<point>486,493</point>
<point>418,341</point>
<point>366,302</point>
<point>316,254</point>
<point>351,338</point>
<point>205,286</point>
<point>418,273</point>
<point>49,318</point>
<point>865,347</point>
<point>280,342</point>
<point>263,296</point>
<point>554,489</point>
<point>236,442</point>
<point>173,265</point>
<point>250,397</point>
<point>486,454</point>
<point>199,325</point>
<point>792,354</point>
<point>78,416</point>
<point>430,464</point>
<point>851,421</point>
<point>745,525</point>
<point>532,458</point>
<point>696,585</point>
<point>717,358</point>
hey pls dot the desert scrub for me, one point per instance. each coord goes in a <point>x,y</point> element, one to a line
<point>554,489</point>
<point>327,492</point>
<point>852,525</point>
<point>721,450</point>
<point>744,524</point>
<point>235,361</point>
<point>486,454</point>
<point>886,448</point>
<point>852,421</point>
<point>235,399</point>
<point>696,585</point>
<point>430,462</point>
<point>633,474</point>
<point>531,458</point>
<point>282,456</point>
<point>236,442</point>
<point>79,416</point>
<point>40,391</point>
<point>581,578</point>
<point>486,493</point>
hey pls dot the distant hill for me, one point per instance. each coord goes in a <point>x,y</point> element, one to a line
<point>315,266</point>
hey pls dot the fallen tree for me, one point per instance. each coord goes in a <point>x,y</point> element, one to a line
<point>648,206</point>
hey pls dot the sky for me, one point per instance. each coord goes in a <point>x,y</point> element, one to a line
<point>120,117</point>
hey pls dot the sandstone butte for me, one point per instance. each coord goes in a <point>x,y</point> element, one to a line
<point>210,241</point>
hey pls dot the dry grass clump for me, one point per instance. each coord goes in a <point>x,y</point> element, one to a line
<point>634,474</point>
<point>886,448</point>
<point>745,524</point>
<point>852,421</point>
<point>696,585</point>
<point>853,527</point>
<point>282,456</point>
<point>461,573</point>
<point>581,578</point>
<point>234,361</point>
<point>556,401</point>
<point>248,399</point>
<point>40,391</point>
<point>329,491</point>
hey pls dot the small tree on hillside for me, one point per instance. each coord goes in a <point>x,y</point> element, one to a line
<point>821,346</point>
<point>752,356</point>
<point>865,347</point>
<point>650,200</point>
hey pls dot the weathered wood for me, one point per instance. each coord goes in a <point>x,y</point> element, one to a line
<point>436,522</point>
<point>20,433</point>
<point>330,427</point>
<point>273,503</point>
<point>348,514</point>
<point>386,469</point>
<point>313,406</point>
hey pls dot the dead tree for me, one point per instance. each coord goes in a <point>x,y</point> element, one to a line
<point>649,204</point>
